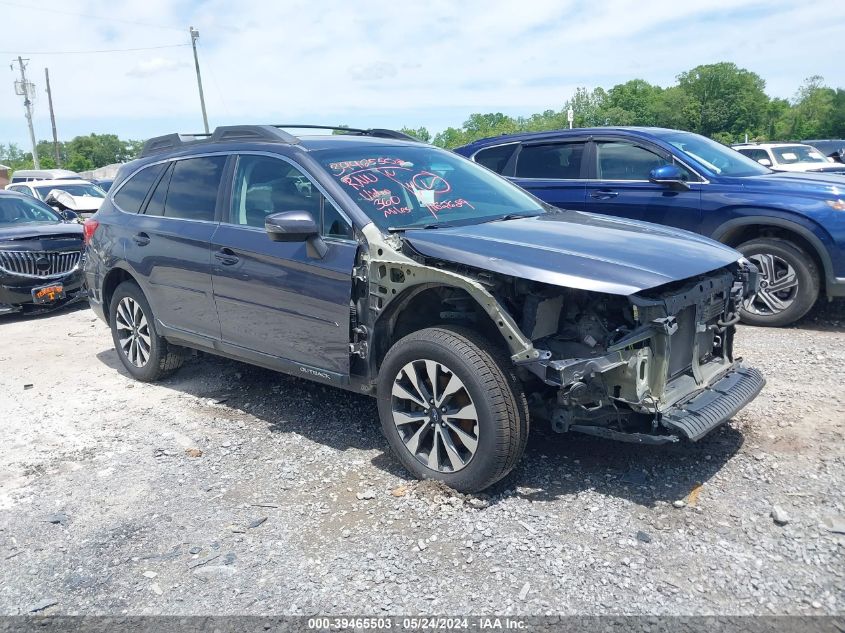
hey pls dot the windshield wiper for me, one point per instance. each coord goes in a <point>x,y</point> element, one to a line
<point>515,216</point>
<point>394,229</point>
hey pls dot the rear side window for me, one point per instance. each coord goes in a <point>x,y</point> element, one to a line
<point>495,158</point>
<point>155,205</point>
<point>192,192</point>
<point>557,160</point>
<point>131,195</point>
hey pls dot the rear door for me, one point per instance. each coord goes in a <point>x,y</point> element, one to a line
<point>555,172</point>
<point>273,298</point>
<point>170,245</point>
<point>620,185</point>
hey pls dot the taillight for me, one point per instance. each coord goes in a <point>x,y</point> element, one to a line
<point>88,229</point>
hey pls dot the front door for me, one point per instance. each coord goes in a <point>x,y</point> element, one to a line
<point>273,298</point>
<point>620,186</point>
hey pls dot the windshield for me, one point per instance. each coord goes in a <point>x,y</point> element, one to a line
<point>401,187</point>
<point>15,211</point>
<point>789,154</point>
<point>713,156</point>
<point>75,190</point>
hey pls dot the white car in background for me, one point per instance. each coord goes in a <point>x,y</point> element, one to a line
<point>789,157</point>
<point>80,196</point>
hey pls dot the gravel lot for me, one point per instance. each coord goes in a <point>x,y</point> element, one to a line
<point>230,489</point>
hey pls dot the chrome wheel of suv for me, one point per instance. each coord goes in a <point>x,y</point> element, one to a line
<point>789,282</point>
<point>778,285</point>
<point>435,416</point>
<point>133,332</point>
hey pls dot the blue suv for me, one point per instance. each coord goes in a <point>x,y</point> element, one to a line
<point>375,263</point>
<point>791,225</point>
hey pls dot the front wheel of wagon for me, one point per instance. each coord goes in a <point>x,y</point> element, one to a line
<point>452,408</point>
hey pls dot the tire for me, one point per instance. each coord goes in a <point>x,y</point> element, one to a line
<point>159,358</point>
<point>474,451</point>
<point>782,259</point>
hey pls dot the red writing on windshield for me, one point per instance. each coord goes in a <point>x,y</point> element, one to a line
<point>370,177</point>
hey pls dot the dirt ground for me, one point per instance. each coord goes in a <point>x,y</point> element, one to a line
<point>231,489</point>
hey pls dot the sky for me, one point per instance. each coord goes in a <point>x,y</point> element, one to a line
<point>381,64</point>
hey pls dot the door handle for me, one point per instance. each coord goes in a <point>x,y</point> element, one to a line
<point>141,239</point>
<point>604,194</point>
<point>227,257</point>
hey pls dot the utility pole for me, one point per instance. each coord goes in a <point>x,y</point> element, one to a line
<point>194,37</point>
<point>52,119</point>
<point>25,89</point>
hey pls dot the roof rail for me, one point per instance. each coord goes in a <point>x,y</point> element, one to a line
<point>271,133</point>
<point>221,133</point>
<point>353,131</point>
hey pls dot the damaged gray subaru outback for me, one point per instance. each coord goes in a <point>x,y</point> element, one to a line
<point>379,264</point>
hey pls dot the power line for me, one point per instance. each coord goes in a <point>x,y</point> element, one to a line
<point>106,50</point>
<point>89,15</point>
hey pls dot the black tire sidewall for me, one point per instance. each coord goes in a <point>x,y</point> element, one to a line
<point>482,469</point>
<point>808,280</point>
<point>151,370</point>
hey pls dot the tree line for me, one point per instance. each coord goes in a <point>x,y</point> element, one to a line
<point>79,154</point>
<point>721,101</point>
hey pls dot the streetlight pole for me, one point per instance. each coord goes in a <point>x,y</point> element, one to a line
<point>194,37</point>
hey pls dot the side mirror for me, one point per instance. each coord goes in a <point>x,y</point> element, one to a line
<point>296,226</point>
<point>668,175</point>
<point>765,162</point>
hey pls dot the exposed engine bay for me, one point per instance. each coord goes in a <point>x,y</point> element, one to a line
<point>651,367</point>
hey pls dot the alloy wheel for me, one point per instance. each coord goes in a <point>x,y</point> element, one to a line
<point>133,332</point>
<point>778,285</point>
<point>435,416</point>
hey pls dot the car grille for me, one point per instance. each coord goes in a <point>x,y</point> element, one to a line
<point>39,263</point>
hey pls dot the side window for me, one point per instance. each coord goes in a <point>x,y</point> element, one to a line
<point>155,205</point>
<point>192,191</point>
<point>496,158</point>
<point>557,160</point>
<point>265,185</point>
<point>620,160</point>
<point>131,195</point>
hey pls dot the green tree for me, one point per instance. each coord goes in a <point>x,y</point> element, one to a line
<point>675,109</point>
<point>13,156</point>
<point>587,107</point>
<point>837,118</point>
<point>421,133</point>
<point>632,103</point>
<point>813,110</point>
<point>727,99</point>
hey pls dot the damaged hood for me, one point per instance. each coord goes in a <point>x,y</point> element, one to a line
<point>577,250</point>
<point>82,204</point>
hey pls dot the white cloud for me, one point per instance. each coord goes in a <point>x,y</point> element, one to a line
<point>155,66</point>
<point>424,63</point>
